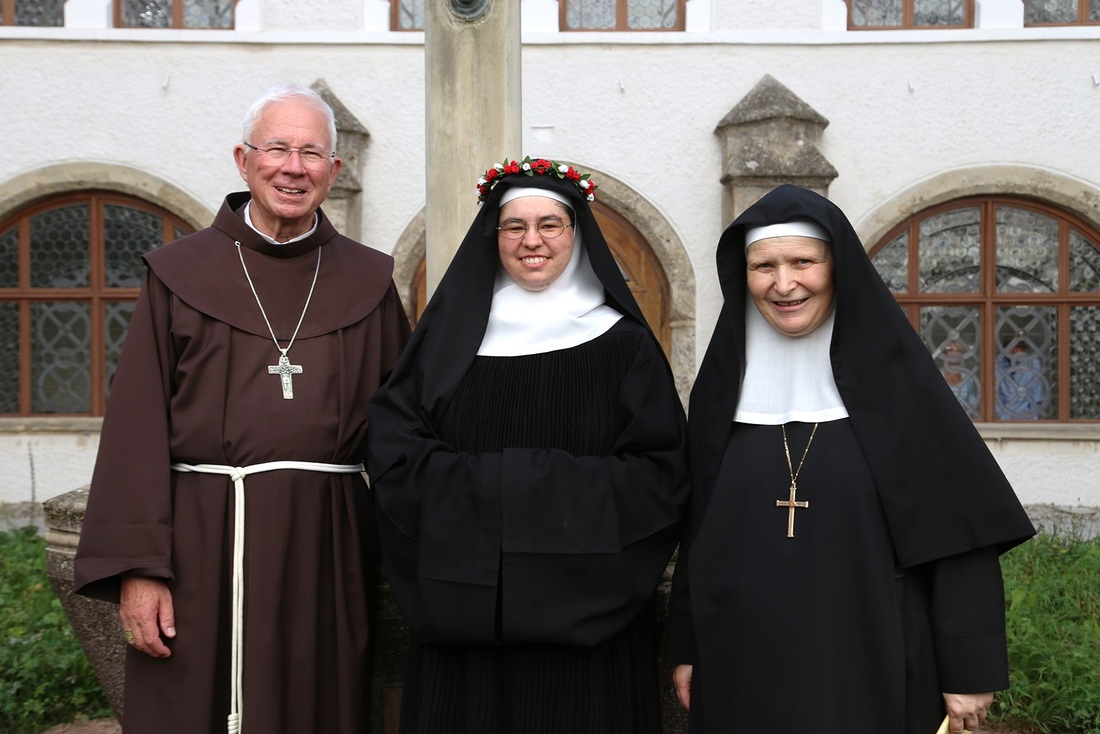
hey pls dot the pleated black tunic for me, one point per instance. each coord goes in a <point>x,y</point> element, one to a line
<point>567,400</point>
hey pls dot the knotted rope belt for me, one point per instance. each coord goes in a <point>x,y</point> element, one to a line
<point>237,474</point>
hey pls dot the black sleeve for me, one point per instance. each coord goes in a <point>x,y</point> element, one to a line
<point>968,622</point>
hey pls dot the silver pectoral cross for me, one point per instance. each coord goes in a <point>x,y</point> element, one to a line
<point>284,370</point>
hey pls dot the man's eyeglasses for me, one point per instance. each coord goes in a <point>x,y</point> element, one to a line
<point>310,157</point>
<point>548,229</point>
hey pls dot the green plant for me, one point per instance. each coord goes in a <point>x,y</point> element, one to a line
<point>45,679</point>
<point>1053,625</point>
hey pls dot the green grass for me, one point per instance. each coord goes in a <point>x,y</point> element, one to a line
<point>45,679</point>
<point>1052,588</point>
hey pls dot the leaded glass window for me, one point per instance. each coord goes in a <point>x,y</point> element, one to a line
<point>622,15</point>
<point>70,272</point>
<point>948,252</point>
<point>1061,12</point>
<point>576,15</point>
<point>174,13</point>
<point>953,335</point>
<point>407,15</point>
<point>9,259</point>
<point>9,357</point>
<point>1005,294</point>
<point>878,14</point>
<point>48,13</point>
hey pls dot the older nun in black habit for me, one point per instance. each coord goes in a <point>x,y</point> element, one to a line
<point>528,465</point>
<point>839,569</point>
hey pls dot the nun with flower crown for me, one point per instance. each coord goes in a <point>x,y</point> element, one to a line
<point>528,468</point>
<point>839,567</point>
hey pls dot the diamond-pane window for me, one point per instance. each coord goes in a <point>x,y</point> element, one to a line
<point>884,14</point>
<point>1005,294</point>
<point>70,272</point>
<point>174,13</point>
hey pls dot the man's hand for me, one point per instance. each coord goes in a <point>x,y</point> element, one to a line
<point>681,679</point>
<point>966,711</point>
<point>145,608</point>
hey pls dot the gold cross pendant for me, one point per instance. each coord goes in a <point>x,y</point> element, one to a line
<point>791,506</point>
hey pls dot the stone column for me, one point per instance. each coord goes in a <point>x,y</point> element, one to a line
<point>769,138</point>
<point>473,101</point>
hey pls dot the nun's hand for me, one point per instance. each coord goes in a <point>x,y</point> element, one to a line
<point>966,711</point>
<point>681,679</point>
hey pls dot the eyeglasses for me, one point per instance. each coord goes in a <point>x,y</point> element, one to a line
<point>310,157</point>
<point>548,229</point>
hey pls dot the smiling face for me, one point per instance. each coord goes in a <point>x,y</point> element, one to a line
<point>535,261</point>
<point>791,282</point>
<point>285,194</point>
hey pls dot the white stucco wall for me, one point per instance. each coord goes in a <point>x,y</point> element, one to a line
<point>35,466</point>
<point>908,110</point>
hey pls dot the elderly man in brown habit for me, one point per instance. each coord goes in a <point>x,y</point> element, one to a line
<point>244,380</point>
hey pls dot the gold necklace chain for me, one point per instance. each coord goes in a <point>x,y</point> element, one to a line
<point>792,503</point>
<point>787,450</point>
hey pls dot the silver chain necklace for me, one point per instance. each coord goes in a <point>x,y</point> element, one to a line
<point>284,369</point>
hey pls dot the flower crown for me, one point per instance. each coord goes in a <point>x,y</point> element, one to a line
<point>536,167</point>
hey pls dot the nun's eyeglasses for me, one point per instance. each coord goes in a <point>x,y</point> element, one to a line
<point>547,229</point>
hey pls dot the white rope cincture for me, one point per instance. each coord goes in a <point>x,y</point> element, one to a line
<point>237,474</point>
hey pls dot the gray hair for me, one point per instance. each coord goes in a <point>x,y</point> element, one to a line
<point>285,93</point>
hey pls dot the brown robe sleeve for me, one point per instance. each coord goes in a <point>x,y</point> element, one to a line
<point>128,523</point>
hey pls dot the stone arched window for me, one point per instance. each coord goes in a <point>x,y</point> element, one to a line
<point>1005,292</point>
<point>70,272</point>
<point>636,259</point>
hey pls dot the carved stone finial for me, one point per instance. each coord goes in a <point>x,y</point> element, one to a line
<point>769,138</point>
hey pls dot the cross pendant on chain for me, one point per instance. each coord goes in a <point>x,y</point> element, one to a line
<point>284,370</point>
<point>791,506</point>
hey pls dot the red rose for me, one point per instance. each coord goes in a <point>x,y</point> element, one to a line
<point>512,167</point>
<point>572,174</point>
<point>491,175</point>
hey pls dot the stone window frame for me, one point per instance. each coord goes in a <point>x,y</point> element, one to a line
<point>96,294</point>
<point>908,22</point>
<point>988,298</point>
